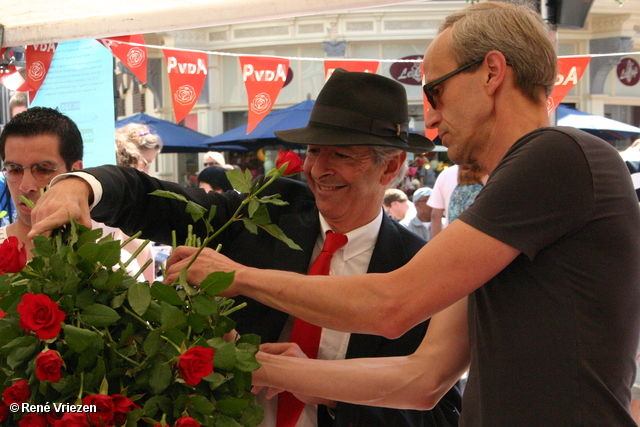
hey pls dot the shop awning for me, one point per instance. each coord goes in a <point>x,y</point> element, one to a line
<point>28,22</point>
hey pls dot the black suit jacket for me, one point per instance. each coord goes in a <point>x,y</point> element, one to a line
<point>126,204</point>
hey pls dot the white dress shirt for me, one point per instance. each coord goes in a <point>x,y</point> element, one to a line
<point>351,259</point>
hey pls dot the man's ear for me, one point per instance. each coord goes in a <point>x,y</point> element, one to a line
<point>496,65</point>
<point>393,167</point>
<point>77,165</point>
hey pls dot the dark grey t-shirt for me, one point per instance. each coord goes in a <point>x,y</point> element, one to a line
<point>554,335</point>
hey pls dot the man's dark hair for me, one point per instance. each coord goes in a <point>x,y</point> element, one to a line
<point>216,177</point>
<point>46,121</point>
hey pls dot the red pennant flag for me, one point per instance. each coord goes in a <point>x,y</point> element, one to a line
<point>263,78</point>
<point>134,57</point>
<point>39,59</point>
<point>350,65</point>
<point>187,73</point>
<point>569,72</point>
<point>429,133</point>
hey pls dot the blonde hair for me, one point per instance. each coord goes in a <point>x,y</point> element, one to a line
<point>518,32</point>
<point>132,140</point>
<point>470,174</point>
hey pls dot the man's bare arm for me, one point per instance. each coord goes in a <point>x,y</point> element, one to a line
<point>417,381</point>
<point>381,304</point>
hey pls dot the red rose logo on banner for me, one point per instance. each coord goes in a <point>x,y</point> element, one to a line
<point>263,78</point>
<point>187,73</point>
<point>569,72</point>
<point>363,66</point>
<point>134,57</point>
<point>39,59</point>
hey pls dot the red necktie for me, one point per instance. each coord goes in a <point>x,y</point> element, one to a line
<point>306,335</point>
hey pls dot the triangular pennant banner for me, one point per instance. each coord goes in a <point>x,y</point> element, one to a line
<point>570,70</point>
<point>38,58</point>
<point>263,78</point>
<point>350,65</point>
<point>429,133</point>
<point>134,57</point>
<point>187,73</point>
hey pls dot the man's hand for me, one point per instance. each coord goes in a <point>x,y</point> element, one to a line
<point>207,262</point>
<point>68,198</point>
<point>291,350</point>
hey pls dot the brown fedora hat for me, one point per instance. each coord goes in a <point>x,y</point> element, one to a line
<point>356,108</point>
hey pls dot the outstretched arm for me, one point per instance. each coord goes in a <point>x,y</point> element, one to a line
<point>367,304</point>
<point>417,381</point>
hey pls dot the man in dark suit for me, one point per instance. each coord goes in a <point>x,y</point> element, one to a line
<point>358,139</point>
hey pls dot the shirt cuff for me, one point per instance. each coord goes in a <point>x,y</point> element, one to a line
<point>96,187</point>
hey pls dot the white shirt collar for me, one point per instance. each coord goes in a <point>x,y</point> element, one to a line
<point>360,240</point>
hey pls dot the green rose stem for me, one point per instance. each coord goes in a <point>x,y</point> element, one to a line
<point>235,217</point>
<point>138,318</point>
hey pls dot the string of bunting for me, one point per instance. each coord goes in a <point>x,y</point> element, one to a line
<point>263,76</point>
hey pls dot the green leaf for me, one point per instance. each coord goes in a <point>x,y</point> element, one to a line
<point>249,225</point>
<point>261,216</point>
<point>251,416</point>
<point>195,210</point>
<point>89,251</point>
<point>246,361</point>
<point>99,316</point>
<point>153,342</point>
<point>20,354</point>
<point>217,282</point>
<point>205,305</point>
<point>274,199</point>
<point>239,180</point>
<point>43,245</point>
<point>171,317</point>
<point>276,232</point>
<point>79,339</point>
<point>169,195</point>
<point>251,339</point>
<point>166,293</point>
<point>226,421</point>
<point>202,404</point>
<point>89,236</point>
<point>231,406</point>
<point>160,376</point>
<point>252,207</point>
<point>139,297</point>
<point>118,300</point>
<point>109,253</point>
<point>225,357</point>
<point>196,322</point>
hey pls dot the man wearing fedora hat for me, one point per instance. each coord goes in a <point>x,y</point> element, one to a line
<point>357,139</point>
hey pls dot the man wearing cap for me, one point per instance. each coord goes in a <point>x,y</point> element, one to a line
<point>358,138</point>
<point>420,223</point>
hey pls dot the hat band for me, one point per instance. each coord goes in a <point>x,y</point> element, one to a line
<point>336,116</point>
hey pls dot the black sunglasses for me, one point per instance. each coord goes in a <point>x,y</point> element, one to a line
<point>428,87</point>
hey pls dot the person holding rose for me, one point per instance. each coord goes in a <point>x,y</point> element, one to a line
<point>358,139</point>
<point>540,293</point>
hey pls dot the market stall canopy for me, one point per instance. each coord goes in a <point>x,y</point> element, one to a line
<point>175,138</point>
<point>296,116</point>
<point>29,22</point>
<point>602,127</point>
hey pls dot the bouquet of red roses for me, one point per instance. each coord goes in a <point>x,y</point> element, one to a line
<point>84,344</point>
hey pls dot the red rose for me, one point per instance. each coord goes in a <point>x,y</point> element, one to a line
<point>12,257</point>
<point>294,163</point>
<point>33,420</point>
<point>54,416</point>
<point>104,408</point>
<point>4,411</point>
<point>186,422</point>
<point>17,392</point>
<point>160,425</point>
<point>73,419</point>
<point>121,405</point>
<point>195,364</point>
<point>40,315</point>
<point>48,364</point>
